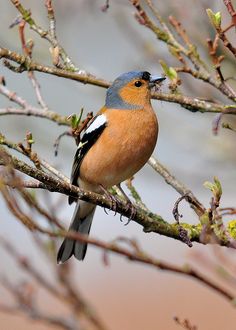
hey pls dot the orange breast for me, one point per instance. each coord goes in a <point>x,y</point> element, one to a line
<point>124,147</point>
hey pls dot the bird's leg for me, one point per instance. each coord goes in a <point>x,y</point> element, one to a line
<point>114,201</point>
<point>129,204</point>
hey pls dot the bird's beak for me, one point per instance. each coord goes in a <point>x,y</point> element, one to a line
<point>155,80</point>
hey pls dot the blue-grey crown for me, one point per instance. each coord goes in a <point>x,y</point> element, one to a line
<point>113,99</point>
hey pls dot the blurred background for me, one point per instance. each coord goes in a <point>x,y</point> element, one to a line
<point>126,295</point>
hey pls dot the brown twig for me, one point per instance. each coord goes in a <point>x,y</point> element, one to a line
<point>51,17</point>
<point>21,149</point>
<point>72,297</point>
<point>56,184</point>
<point>180,30</point>
<point>227,210</point>
<point>212,46</point>
<point>141,257</point>
<point>221,33</point>
<point>35,112</point>
<point>216,121</point>
<point>27,50</point>
<point>190,52</point>
<point>74,131</point>
<point>231,10</point>
<point>150,222</point>
<point>183,233</point>
<point>58,140</point>
<point>27,17</point>
<point>37,315</point>
<point>177,185</point>
<point>191,104</point>
<point>137,255</point>
<point>28,109</point>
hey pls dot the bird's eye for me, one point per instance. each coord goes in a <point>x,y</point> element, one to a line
<point>138,83</point>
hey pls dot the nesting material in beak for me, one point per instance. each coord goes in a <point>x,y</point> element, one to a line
<point>155,80</point>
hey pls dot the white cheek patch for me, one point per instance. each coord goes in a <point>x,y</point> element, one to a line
<point>98,122</point>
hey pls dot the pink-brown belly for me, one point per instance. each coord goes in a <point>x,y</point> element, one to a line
<point>122,150</point>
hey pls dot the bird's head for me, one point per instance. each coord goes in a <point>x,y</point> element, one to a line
<point>131,90</point>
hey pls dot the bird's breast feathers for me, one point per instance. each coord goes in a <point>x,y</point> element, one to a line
<point>126,143</point>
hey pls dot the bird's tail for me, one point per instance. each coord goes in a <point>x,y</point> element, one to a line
<point>81,222</point>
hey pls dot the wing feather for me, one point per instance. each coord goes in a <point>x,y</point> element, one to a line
<point>89,138</point>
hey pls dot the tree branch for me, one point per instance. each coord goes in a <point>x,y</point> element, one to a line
<point>149,221</point>
<point>51,38</point>
<point>191,104</point>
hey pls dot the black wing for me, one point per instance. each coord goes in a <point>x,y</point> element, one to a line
<point>90,136</point>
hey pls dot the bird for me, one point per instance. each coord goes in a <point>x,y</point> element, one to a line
<point>116,144</point>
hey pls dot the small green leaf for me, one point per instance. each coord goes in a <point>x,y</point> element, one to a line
<point>215,18</point>
<point>172,73</point>
<point>164,66</point>
<point>30,138</point>
<point>2,138</point>
<point>208,185</point>
<point>169,71</point>
<point>215,187</point>
<point>75,120</point>
<point>81,114</point>
<point>218,186</point>
<point>218,19</point>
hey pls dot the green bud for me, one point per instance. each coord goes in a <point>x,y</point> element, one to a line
<point>215,187</point>
<point>215,19</point>
<point>169,71</point>
<point>30,138</point>
<point>75,120</point>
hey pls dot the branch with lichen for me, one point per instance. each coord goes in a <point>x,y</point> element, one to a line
<point>132,253</point>
<point>14,174</point>
<point>192,104</point>
<point>163,32</point>
<point>149,221</point>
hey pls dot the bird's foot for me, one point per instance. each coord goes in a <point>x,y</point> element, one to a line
<point>113,199</point>
<point>130,206</point>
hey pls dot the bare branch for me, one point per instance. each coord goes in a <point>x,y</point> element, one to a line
<point>192,104</point>
<point>177,185</point>
<point>26,15</point>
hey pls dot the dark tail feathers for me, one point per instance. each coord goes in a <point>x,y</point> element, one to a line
<point>80,223</point>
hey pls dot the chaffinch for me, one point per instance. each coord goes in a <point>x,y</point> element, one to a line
<point>116,145</point>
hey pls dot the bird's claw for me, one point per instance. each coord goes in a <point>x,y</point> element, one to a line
<point>112,199</point>
<point>129,206</point>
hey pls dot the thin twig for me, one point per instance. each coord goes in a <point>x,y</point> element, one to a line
<point>177,185</point>
<point>136,255</point>
<point>27,17</point>
<point>190,52</point>
<point>71,297</point>
<point>191,104</point>
<point>150,222</point>
<point>36,112</point>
